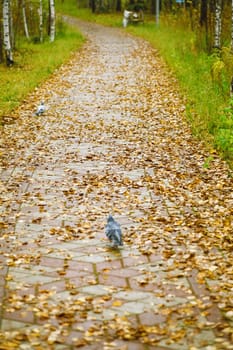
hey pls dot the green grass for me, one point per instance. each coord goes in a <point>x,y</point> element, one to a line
<point>107,19</point>
<point>207,93</point>
<point>34,63</point>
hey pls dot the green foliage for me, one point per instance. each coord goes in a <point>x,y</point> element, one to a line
<point>204,79</point>
<point>208,162</point>
<point>71,9</point>
<point>224,132</point>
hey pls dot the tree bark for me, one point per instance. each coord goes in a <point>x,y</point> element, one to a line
<point>6,33</point>
<point>52,20</point>
<point>41,21</point>
<point>1,34</point>
<point>218,24</point>
<point>93,5</point>
<point>203,14</point>
<point>118,6</point>
<point>25,20</point>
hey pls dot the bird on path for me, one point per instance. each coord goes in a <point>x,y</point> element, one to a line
<point>113,232</point>
<point>40,109</point>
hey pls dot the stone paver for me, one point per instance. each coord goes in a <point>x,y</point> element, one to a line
<point>112,140</point>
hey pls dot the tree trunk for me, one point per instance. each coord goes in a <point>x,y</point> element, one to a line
<point>118,6</point>
<point>52,20</point>
<point>93,5</point>
<point>218,24</point>
<point>203,14</point>
<point>1,34</point>
<point>41,21</point>
<point>6,33</point>
<point>25,20</point>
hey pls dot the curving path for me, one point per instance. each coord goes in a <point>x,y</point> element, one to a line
<point>113,139</point>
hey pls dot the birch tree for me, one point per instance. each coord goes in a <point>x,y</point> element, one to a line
<point>52,25</point>
<point>25,20</point>
<point>41,20</point>
<point>218,24</point>
<point>1,33</point>
<point>6,32</point>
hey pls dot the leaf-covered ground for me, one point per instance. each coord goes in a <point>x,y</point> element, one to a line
<point>113,140</point>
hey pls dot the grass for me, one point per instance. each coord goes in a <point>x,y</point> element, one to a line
<point>209,107</point>
<point>34,63</point>
<point>107,19</point>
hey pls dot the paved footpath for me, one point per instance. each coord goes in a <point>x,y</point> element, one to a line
<point>113,140</point>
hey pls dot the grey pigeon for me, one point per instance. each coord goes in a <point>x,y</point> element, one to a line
<point>113,232</point>
<point>40,109</point>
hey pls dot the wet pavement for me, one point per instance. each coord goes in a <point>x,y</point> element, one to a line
<point>113,140</point>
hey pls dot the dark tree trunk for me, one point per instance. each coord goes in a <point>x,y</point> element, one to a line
<point>93,5</point>
<point>118,5</point>
<point>203,14</point>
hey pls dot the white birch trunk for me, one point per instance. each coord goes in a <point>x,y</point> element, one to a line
<point>25,20</point>
<point>52,20</point>
<point>218,24</point>
<point>6,32</point>
<point>12,34</point>
<point>41,21</point>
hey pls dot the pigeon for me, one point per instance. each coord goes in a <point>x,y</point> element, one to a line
<point>40,109</point>
<point>113,232</point>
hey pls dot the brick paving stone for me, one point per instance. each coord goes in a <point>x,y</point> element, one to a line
<point>80,265</point>
<point>3,269</point>
<point>133,307</point>
<point>91,258</point>
<point>7,324</point>
<point>109,265</point>
<point>96,290</point>
<point>198,288</point>
<point>21,316</point>
<point>126,345</point>
<point>107,314</point>
<point>142,284</point>
<point>91,250</point>
<point>171,345</point>
<point>136,260</point>
<point>31,278</point>
<point>73,338</point>
<point>84,280</point>
<point>122,272</point>
<point>133,295</point>
<point>57,286</point>
<point>151,318</point>
<point>2,280</point>
<point>51,262</point>
<point>114,281</point>
<point>156,348</point>
<point>214,314</point>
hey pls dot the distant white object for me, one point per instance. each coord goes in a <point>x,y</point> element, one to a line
<point>40,109</point>
<point>126,16</point>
